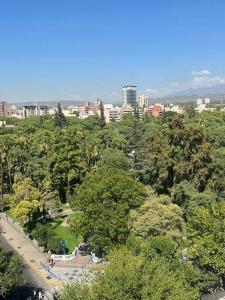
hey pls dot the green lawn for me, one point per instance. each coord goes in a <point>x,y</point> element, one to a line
<point>64,233</point>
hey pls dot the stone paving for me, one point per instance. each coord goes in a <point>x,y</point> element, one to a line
<point>80,269</point>
<point>71,274</point>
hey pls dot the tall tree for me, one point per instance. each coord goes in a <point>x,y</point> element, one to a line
<point>60,119</point>
<point>102,122</point>
<point>206,239</point>
<point>157,216</point>
<point>25,201</point>
<point>106,196</point>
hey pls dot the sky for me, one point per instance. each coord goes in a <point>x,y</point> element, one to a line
<point>88,49</point>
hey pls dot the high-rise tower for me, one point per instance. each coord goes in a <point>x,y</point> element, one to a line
<point>130,95</point>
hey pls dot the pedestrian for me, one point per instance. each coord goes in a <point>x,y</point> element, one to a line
<point>39,295</point>
<point>34,294</point>
<point>51,263</point>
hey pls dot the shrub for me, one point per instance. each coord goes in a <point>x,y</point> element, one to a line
<point>54,245</point>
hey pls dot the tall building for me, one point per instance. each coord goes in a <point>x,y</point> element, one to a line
<point>29,110</point>
<point>199,101</point>
<point>35,110</point>
<point>3,109</point>
<point>43,110</point>
<point>143,101</point>
<point>130,95</point>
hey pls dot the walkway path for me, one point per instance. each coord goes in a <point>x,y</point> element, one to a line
<point>31,254</point>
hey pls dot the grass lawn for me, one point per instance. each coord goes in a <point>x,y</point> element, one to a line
<point>64,233</point>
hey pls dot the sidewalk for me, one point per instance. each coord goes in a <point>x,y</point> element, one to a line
<point>31,254</point>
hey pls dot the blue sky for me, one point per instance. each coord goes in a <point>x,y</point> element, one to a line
<point>85,49</point>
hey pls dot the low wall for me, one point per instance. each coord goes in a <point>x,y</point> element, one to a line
<point>66,257</point>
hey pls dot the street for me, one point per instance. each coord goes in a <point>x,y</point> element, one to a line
<point>32,279</point>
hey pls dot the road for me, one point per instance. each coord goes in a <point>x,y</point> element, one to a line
<point>33,281</point>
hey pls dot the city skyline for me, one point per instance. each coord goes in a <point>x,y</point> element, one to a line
<point>90,49</point>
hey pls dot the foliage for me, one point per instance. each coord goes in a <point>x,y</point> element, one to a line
<point>102,122</point>
<point>60,119</point>
<point>42,233</point>
<point>158,246</point>
<point>54,245</point>
<point>133,277</point>
<point>157,216</point>
<point>189,198</point>
<point>175,153</point>
<point>114,158</point>
<point>46,238</point>
<point>106,170</point>
<point>10,273</point>
<point>25,201</point>
<point>206,238</point>
<point>106,197</point>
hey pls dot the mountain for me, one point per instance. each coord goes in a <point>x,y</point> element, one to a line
<point>216,93</point>
<point>64,103</point>
<point>202,91</point>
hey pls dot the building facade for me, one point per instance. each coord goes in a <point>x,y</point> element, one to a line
<point>143,101</point>
<point>130,95</point>
<point>3,109</point>
<point>156,110</point>
<point>35,110</point>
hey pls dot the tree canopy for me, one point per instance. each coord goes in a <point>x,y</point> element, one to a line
<point>106,196</point>
<point>147,190</point>
<point>10,273</point>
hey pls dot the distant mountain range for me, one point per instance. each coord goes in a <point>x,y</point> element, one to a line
<point>215,93</point>
<point>49,103</point>
<point>202,91</point>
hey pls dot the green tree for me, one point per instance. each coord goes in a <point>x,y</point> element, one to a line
<point>46,238</point>
<point>132,277</point>
<point>60,119</point>
<point>66,164</point>
<point>106,196</point>
<point>157,246</point>
<point>114,158</point>
<point>102,122</point>
<point>25,201</point>
<point>10,274</point>
<point>189,198</point>
<point>157,216</point>
<point>206,239</point>
<point>42,233</point>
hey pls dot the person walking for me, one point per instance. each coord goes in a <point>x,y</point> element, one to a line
<point>34,294</point>
<point>39,295</point>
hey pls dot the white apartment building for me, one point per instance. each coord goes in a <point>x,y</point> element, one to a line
<point>143,101</point>
<point>35,110</point>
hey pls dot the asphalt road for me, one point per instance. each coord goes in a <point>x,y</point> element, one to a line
<point>32,280</point>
